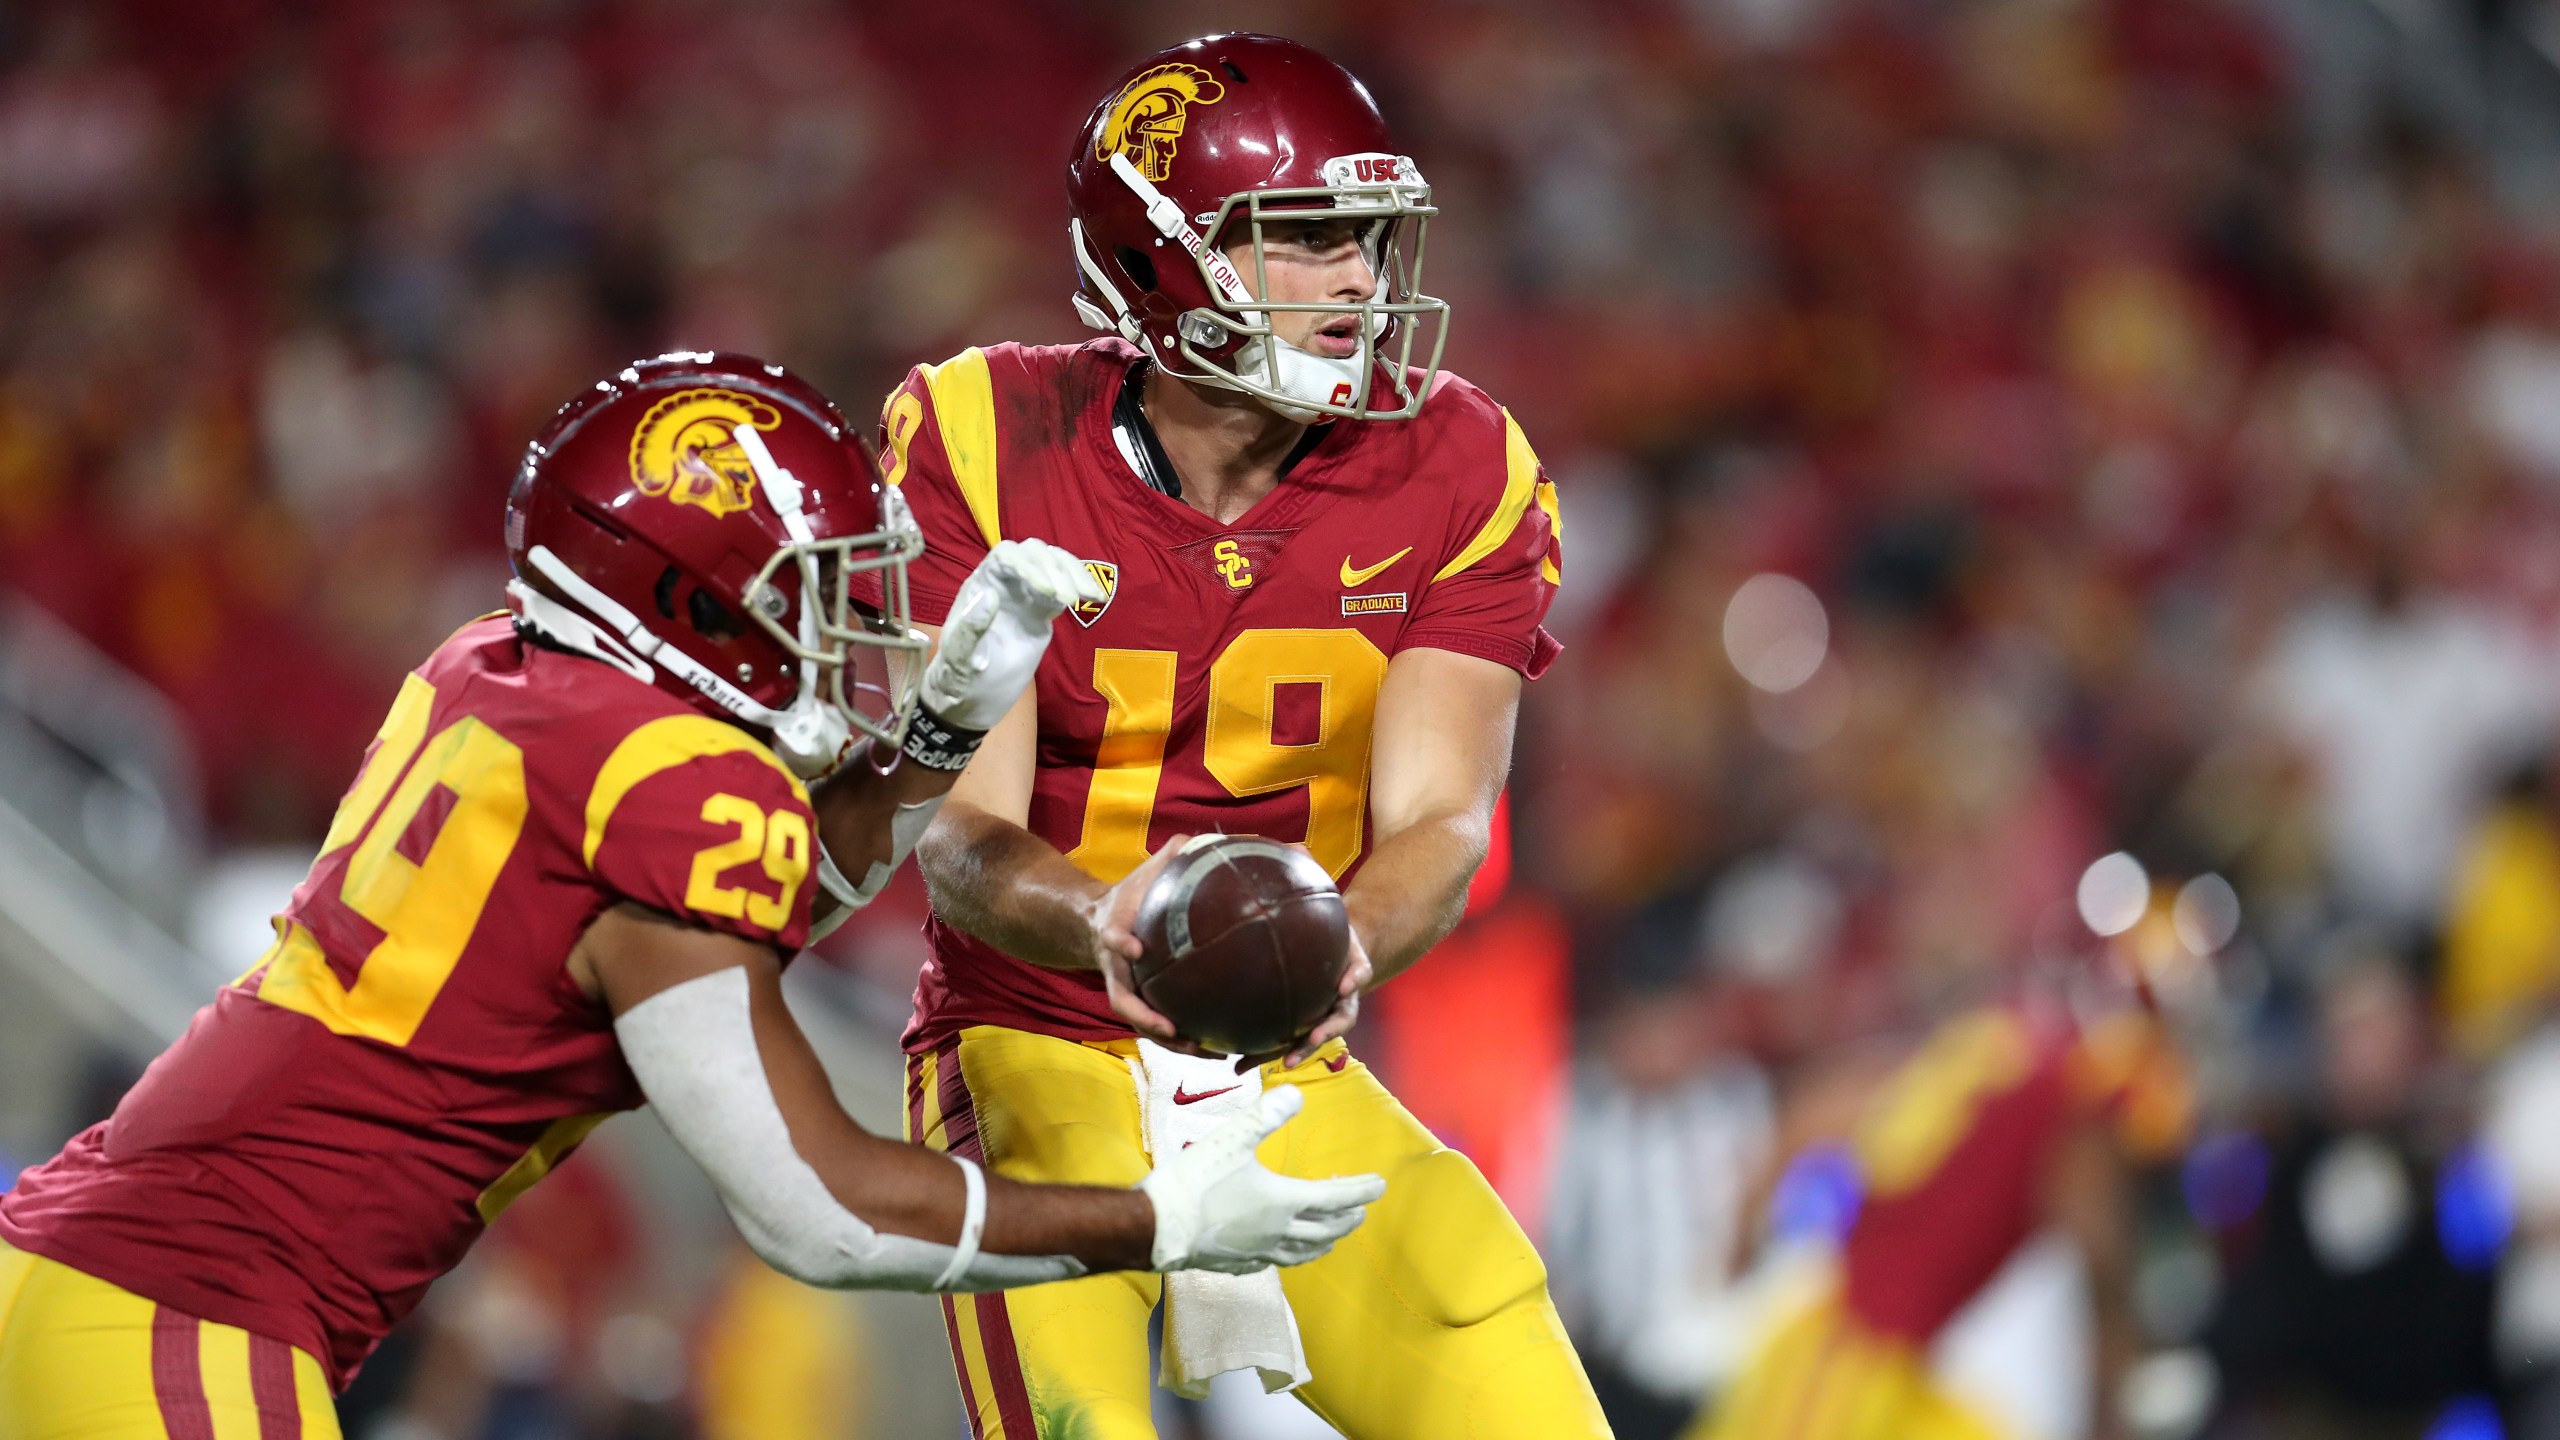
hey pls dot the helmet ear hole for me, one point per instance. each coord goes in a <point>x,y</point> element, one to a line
<point>1140,270</point>
<point>710,618</point>
<point>667,592</point>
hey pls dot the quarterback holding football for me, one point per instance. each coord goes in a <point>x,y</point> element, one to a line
<point>563,884</point>
<point>1323,567</point>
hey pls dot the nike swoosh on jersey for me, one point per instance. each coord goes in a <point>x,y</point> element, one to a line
<point>1185,1097</point>
<point>1355,577</point>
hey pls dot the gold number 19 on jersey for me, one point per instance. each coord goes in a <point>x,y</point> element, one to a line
<point>1241,747</point>
<point>427,908</point>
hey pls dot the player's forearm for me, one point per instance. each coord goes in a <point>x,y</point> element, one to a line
<point>1106,1229</point>
<point>992,879</point>
<point>1413,890</point>
<point>856,804</point>
<point>2086,1199</point>
<point>910,1190</point>
<point>2116,1341</point>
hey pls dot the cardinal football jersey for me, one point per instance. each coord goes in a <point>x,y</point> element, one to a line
<point>1955,1154</point>
<point>1228,680</point>
<point>335,1129</point>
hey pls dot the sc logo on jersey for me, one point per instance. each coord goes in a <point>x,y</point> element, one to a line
<point>1232,564</point>
<point>1147,116</point>
<point>685,450</point>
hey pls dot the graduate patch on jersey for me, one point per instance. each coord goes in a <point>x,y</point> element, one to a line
<point>1391,603</point>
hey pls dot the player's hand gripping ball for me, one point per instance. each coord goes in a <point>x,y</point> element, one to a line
<point>1244,944</point>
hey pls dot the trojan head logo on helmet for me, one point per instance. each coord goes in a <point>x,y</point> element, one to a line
<point>1198,150</point>
<point>702,522</point>
<point>686,449</point>
<point>1144,121</point>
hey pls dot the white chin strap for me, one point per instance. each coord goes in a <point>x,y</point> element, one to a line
<point>808,735</point>
<point>811,735</point>
<point>1120,321</point>
<point>1300,375</point>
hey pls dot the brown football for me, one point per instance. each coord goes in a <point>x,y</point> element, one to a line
<point>1245,940</point>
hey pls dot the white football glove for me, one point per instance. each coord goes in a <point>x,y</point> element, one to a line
<point>998,628</point>
<point>1218,1209</point>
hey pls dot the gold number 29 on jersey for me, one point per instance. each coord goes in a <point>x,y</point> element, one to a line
<point>1241,747</point>
<point>780,839</point>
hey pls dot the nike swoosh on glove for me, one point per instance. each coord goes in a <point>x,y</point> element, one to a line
<point>1217,1208</point>
<point>998,628</point>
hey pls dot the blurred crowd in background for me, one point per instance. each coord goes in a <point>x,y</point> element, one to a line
<point>2032,470</point>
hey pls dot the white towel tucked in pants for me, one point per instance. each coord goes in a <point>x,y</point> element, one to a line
<point>1213,1323</point>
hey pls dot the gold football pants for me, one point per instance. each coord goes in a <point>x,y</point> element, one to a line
<point>1823,1376</point>
<point>81,1359</point>
<point>1430,1322</point>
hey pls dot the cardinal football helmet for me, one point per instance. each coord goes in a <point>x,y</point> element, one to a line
<point>705,522</point>
<point>1202,145</point>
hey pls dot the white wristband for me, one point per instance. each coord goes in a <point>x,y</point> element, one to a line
<point>973,1223</point>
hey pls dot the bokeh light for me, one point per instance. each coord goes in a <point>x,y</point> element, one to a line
<point>2475,1213</point>
<point>2114,891</point>
<point>2473,1417</point>
<point>1817,1195</point>
<point>2224,1179</point>
<point>1775,632</point>
<point>2169,1394</point>
<point>1804,719</point>
<point>2206,915</point>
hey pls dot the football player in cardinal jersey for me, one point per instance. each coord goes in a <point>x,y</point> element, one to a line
<point>2012,1119</point>
<point>1325,565</point>
<point>565,882</point>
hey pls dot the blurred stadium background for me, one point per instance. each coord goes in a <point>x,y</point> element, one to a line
<point>2035,470</point>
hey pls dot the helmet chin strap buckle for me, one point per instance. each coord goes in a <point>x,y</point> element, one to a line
<point>1120,321</point>
<point>810,737</point>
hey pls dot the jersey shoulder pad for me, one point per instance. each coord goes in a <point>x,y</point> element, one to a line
<point>1458,406</point>
<point>488,643</point>
<point>939,442</point>
<point>1048,364</point>
<point>1487,469</point>
<point>1043,393</point>
<point>698,819</point>
<point>951,454</point>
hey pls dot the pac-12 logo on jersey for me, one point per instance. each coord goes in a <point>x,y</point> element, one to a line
<point>685,449</point>
<point>1148,115</point>
<point>1106,575</point>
